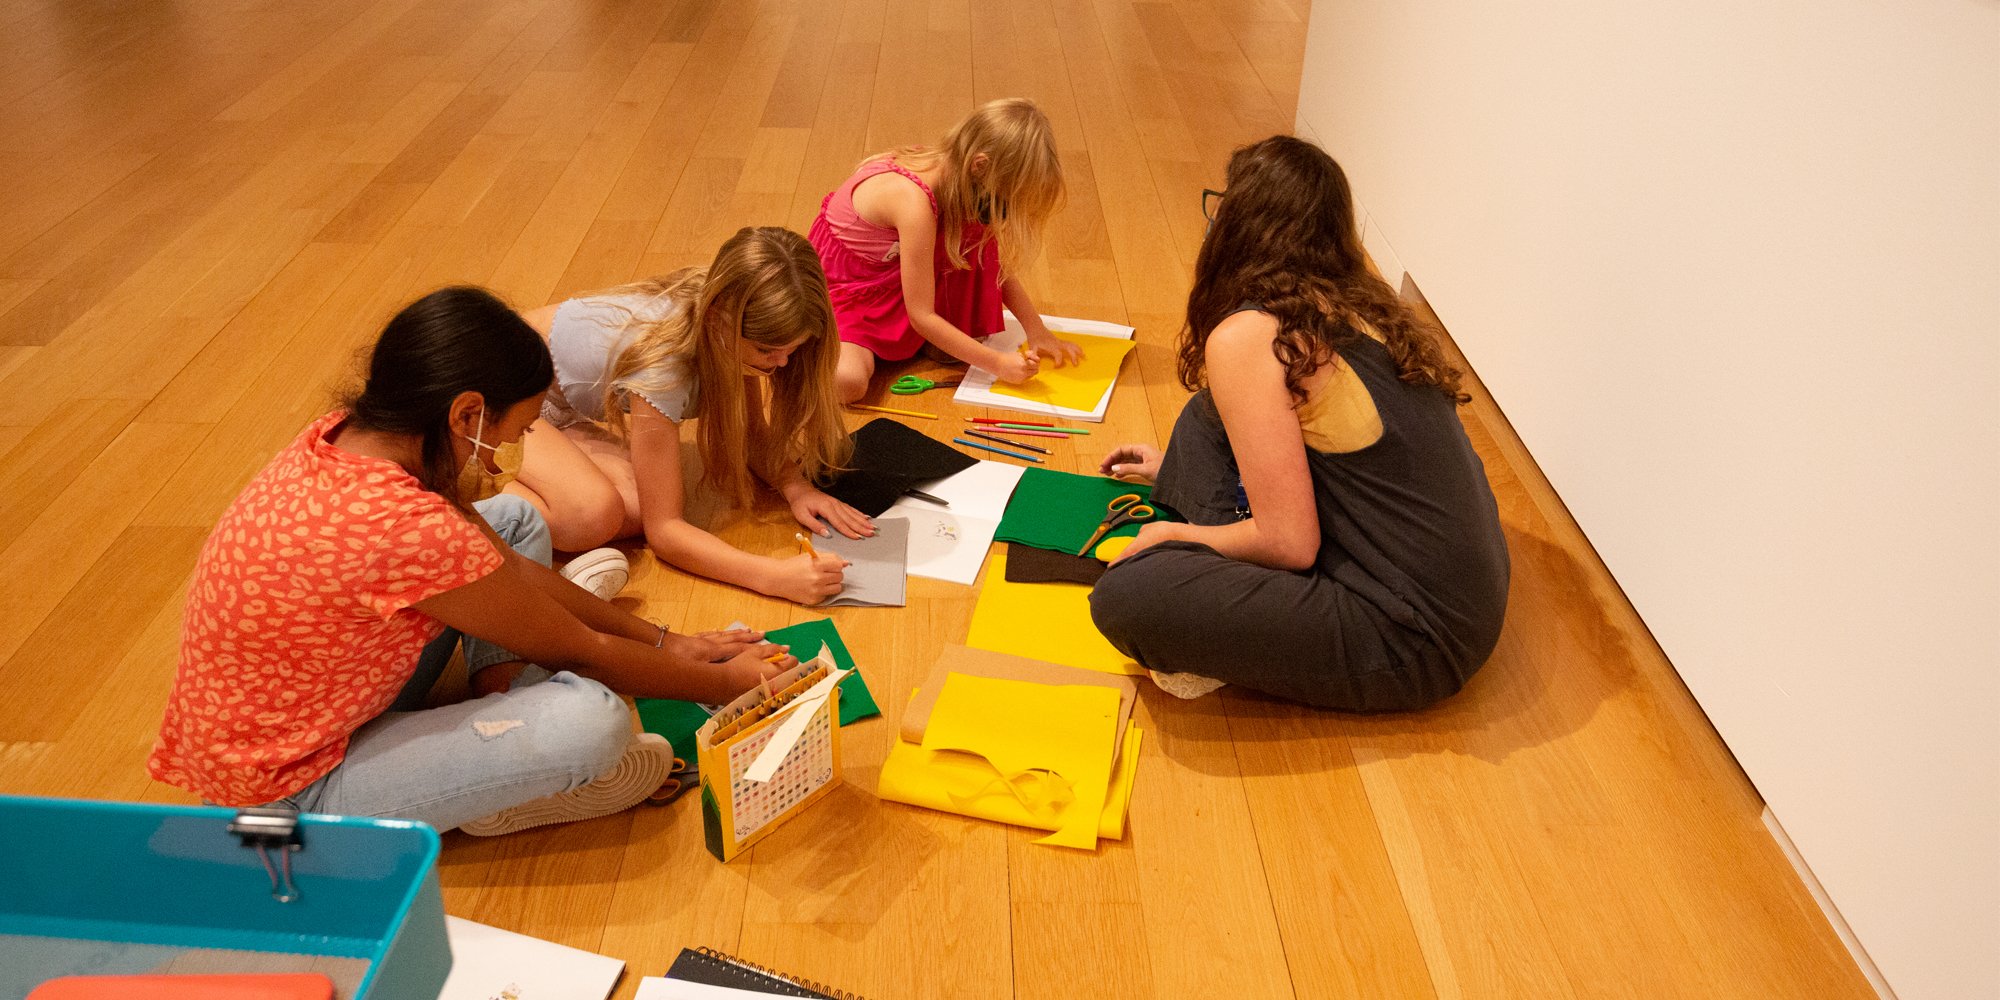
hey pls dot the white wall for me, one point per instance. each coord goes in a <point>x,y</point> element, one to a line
<point>1733,271</point>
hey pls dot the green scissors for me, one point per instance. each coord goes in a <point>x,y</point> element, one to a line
<point>1123,511</point>
<point>910,385</point>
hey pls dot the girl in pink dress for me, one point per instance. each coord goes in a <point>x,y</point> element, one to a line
<point>925,244</point>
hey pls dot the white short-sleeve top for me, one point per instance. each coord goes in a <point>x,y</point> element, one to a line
<point>584,337</point>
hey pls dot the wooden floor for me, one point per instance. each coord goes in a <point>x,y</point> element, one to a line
<point>206,208</point>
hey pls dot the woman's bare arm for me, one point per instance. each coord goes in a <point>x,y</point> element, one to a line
<point>1248,385</point>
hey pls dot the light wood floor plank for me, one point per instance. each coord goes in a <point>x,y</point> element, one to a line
<point>50,455</point>
<point>62,664</point>
<point>55,551</point>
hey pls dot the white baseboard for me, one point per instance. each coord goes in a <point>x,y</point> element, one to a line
<point>1826,906</point>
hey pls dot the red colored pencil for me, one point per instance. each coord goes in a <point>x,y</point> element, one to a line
<point>990,429</point>
<point>1004,420</point>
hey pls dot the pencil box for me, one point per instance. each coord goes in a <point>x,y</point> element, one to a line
<point>795,721</point>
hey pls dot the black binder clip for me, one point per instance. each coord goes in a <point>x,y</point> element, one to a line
<point>268,829</point>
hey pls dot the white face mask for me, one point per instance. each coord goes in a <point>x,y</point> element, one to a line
<point>475,481</point>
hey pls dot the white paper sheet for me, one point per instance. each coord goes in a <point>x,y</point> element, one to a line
<point>488,962</point>
<point>950,543</point>
<point>662,988</point>
<point>977,388</point>
<point>981,491</point>
<point>943,545</point>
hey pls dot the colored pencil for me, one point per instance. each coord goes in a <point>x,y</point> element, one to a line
<point>996,429</point>
<point>1004,420</point>
<point>1035,427</point>
<point>1010,444</point>
<point>1000,451</point>
<point>884,409</point>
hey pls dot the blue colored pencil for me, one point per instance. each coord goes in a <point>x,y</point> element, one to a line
<point>1010,444</point>
<point>988,447</point>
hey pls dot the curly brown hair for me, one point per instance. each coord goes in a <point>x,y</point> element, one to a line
<point>1285,239</point>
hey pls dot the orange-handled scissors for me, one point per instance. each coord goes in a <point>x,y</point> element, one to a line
<point>1124,510</point>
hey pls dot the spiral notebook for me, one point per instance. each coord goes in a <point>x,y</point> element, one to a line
<point>727,976</point>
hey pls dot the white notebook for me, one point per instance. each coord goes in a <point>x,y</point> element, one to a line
<point>950,543</point>
<point>488,963</point>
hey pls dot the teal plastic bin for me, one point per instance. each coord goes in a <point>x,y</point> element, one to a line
<point>157,878</point>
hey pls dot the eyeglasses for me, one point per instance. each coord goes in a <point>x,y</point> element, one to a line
<point>1206,209</point>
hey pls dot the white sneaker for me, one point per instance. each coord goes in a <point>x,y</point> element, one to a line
<point>603,572</point>
<point>648,762</point>
<point>1185,686</point>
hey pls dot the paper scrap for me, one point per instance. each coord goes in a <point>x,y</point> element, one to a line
<point>489,728</point>
<point>1042,621</point>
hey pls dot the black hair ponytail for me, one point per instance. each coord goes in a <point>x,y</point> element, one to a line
<point>452,341</point>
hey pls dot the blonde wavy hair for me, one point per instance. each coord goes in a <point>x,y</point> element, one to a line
<point>766,286</point>
<point>1022,185</point>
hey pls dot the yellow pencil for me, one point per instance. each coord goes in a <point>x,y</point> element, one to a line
<point>884,409</point>
<point>806,545</point>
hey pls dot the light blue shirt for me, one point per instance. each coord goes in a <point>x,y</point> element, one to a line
<point>587,334</point>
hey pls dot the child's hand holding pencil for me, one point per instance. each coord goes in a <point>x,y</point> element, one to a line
<point>809,577</point>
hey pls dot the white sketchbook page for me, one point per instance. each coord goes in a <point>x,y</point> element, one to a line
<point>981,491</point>
<point>487,961</point>
<point>662,988</point>
<point>943,544</point>
<point>977,388</point>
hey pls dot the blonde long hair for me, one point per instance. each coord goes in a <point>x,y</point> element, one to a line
<point>1022,184</point>
<point>765,285</point>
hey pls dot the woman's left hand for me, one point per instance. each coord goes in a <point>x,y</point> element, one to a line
<point>1064,353</point>
<point>810,506</point>
<point>1151,534</point>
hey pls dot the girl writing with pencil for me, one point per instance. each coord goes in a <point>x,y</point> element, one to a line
<point>744,346</point>
<point>923,245</point>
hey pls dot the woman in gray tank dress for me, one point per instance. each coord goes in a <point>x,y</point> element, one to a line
<point>1342,548</point>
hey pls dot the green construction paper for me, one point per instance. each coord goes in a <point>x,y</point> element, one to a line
<point>678,720</point>
<point>804,638</point>
<point>1059,510</point>
<point>674,720</point>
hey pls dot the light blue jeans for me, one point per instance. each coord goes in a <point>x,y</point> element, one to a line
<point>546,734</point>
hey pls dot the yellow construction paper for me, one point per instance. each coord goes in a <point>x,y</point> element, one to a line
<point>1118,801</point>
<point>1108,549</point>
<point>1042,621</point>
<point>1021,727</point>
<point>1078,386</point>
<point>949,781</point>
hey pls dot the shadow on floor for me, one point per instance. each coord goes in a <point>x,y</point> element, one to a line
<point>1561,654</point>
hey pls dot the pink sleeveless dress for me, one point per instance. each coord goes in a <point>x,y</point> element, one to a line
<point>864,276</point>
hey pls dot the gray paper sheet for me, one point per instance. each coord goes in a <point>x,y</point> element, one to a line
<point>878,576</point>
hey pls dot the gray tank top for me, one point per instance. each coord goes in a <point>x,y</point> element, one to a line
<point>1407,524</point>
